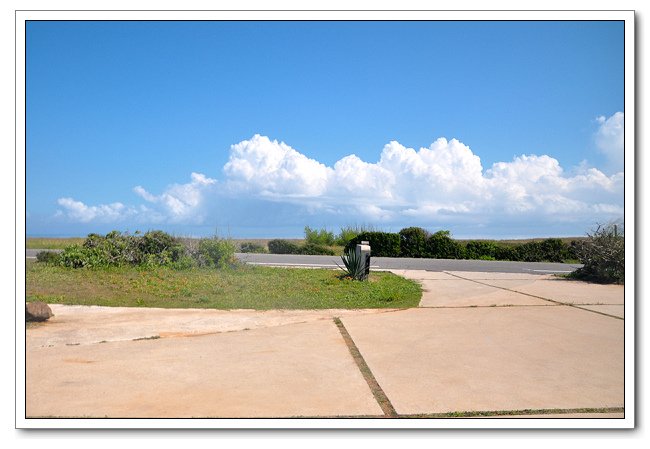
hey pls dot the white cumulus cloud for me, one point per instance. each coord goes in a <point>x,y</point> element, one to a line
<point>181,201</point>
<point>274,169</point>
<point>445,179</point>
<point>104,213</point>
<point>610,139</point>
<point>266,181</point>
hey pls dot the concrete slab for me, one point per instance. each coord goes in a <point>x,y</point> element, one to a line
<point>423,274</point>
<point>572,292</point>
<point>504,276</point>
<point>293,370</point>
<point>93,324</point>
<point>507,358</point>
<point>461,293</point>
<point>614,310</point>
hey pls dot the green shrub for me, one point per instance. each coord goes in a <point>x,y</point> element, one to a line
<point>504,252</point>
<point>279,246</point>
<point>573,250</point>
<point>161,244</point>
<point>382,244</point>
<point>441,246</point>
<point>155,248</point>
<point>250,247</point>
<point>113,249</point>
<point>529,252</point>
<point>603,256</point>
<point>318,237</point>
<point>554,250</point>
<point>48,257</point>
<point>478,249</point>
<point>216,252</point>
<point>413,242</point>
<point>77,256</point>
<point>319,250</point>
<point>184,263</point>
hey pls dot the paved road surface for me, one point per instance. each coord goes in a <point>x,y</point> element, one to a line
<point>400,263</point>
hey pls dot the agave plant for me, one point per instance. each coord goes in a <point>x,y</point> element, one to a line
<point>354,264</point>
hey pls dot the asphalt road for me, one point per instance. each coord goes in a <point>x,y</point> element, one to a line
<point>398,263</point>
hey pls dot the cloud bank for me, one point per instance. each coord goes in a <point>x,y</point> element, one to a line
<point>444,184</point>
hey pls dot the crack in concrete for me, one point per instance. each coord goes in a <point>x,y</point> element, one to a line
<point>375,388</point>
<point>539,297</point>
<point>490,306</point>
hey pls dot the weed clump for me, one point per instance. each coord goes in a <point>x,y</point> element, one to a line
<point>48,257</point>
<point>603,256</point>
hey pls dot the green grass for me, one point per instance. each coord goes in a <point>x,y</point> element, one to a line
<point>52,243</point>
<point>244,287</point>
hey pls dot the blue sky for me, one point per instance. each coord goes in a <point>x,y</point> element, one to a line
<point>248,128</point>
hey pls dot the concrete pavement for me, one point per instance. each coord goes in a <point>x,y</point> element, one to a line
<point>505,345</point>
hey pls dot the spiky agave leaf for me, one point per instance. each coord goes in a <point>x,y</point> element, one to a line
<point>354,265</point>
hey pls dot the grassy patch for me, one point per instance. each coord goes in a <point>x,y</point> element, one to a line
<point>52,243</point>
<point>244,287</point>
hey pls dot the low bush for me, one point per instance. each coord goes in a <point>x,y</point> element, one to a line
<point>152,249</point>
<point>279,246</point>
<point>504,252</point>
<point>250,247</point>
<point>529,252</point>
<point>603,256</point>
<point>162,245</point>
<point>77,256</point>
<point>413,242</point>
<point>48,257</point>
<point>479,249</point>
<point>382,244</point>
<point>441,246</point>
<point>216,252</point>
<point>112,249</point>
<point>315,250</point>
<point>554,250</point>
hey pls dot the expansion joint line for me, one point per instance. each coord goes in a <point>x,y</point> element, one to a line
<point>375,388</point>
<point>559,303</point>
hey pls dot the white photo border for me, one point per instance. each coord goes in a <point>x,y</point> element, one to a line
<point>628,17</point>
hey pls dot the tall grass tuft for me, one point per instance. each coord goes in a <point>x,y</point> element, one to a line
<point>349,232</point>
